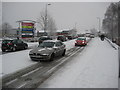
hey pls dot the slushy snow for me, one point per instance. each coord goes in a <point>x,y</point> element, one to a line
<point>95,67</point>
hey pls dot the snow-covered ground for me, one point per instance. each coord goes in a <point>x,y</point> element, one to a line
<point>0,44</point>
<point>14,61</point>
<point>95,67</point>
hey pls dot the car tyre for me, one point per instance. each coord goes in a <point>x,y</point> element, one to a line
<point>76,45</point>
<point>25,47</point>
<point>3,50</point>
<point>52,57</point>
<point>14,49</point>
<point>63,54</point>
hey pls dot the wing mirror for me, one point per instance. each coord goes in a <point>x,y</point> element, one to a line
<point>55,47</point>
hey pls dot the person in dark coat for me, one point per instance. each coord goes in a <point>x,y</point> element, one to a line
<point>18,38</point>
<point>102,36</point>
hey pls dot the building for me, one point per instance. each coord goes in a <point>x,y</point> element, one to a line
<point>41,33</point>
<point>67,32</point>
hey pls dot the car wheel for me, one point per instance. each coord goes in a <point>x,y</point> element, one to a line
<point>64,53</point>
<point>13,49</point>
<point>52,57</point>
<point>119,74</point>
<point>3,50</point>
<point>25,47</point>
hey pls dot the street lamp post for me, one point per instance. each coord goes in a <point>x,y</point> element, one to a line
<point>45,27</point>
<point>99,23</point>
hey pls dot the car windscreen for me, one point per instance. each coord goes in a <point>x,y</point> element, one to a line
<point>44,38</point>
<point>7,41</point>
<point>81,39</point>
<point>47,44</point>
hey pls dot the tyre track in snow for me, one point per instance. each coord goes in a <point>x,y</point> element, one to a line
<point>41,71</point>
<point>34,75</point>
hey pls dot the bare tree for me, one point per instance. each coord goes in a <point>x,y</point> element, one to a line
<point>110,22</point>
<point>93,31</point>
<point>51,27</point>
<point>41,20</point>
<point>47,23</point>
<point>5,29</point>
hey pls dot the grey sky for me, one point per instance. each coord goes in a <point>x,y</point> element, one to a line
<point>66,14</point>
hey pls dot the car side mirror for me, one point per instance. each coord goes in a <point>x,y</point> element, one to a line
<point>64,45</point>
<point>55,47</point>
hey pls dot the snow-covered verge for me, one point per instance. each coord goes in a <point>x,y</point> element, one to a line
<point>13,61</point>
<point>114,45</point>
<point>0,44</point>
<point>95,67</point>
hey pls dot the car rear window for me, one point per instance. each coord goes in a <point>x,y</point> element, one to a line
<point>81,39</point>
<point>7,41</point>
<point>44,38</point>
<point>47,44</point>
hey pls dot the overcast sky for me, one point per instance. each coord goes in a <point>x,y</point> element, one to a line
<point>66,14</point>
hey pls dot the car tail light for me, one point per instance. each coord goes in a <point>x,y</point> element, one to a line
<point>76,40</point>
<point>9,44</point>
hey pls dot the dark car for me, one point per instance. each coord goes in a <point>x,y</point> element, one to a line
<point>43,38</point>
<point>47,50</point>
<point>81,41</point>
<point>70,37</point>
<point>61,38</point>
<point>13,45</point>
<point>92,36</point>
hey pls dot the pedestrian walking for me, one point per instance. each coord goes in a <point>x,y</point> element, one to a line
<point>102,36</point>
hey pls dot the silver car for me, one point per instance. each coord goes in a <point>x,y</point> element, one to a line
<point>47,50</point>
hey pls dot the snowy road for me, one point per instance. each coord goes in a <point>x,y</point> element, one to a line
<point>15,61</point>
<point>95,67</point>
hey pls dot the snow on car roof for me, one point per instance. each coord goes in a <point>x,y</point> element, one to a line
<point>51,40</point>
<point>82,37</point>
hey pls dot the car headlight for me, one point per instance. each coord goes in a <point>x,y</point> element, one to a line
<point>45,54</point>
<point>30,52</point>
<point>15,45</point>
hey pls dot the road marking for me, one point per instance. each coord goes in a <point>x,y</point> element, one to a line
<point>66,58</point>
<point>11,81</point>
<point>31,72</point>
<point>21,85</point>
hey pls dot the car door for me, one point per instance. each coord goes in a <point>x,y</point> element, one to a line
<point>59,48</point>
<point>62,47</point>
<point>20,44</point>
<point>15,41</point>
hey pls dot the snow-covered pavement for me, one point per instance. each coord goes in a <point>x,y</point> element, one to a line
<point>95,67</point>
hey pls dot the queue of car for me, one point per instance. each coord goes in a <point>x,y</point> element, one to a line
<point>47,49</point>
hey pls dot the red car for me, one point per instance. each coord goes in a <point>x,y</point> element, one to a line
<point>81,42</point>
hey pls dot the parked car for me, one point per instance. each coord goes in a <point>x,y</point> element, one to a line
<point>61,38</point>
<point>13,45</point>
<point>81,41</point>
<point>43,38</point>
<point>47,50</point>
